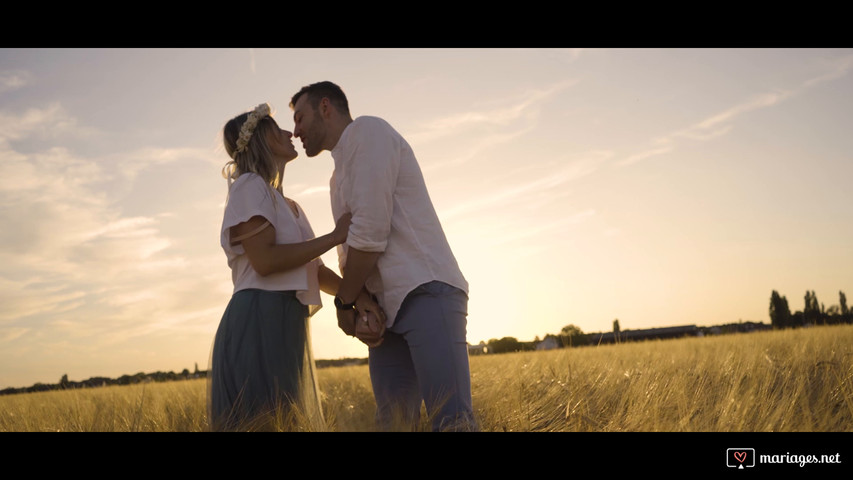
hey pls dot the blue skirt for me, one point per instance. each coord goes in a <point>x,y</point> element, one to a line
<point>262,373</point>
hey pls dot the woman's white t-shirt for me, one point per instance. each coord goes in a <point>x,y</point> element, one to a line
<point>251,196</point>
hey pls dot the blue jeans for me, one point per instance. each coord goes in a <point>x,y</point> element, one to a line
<point>424,358</point>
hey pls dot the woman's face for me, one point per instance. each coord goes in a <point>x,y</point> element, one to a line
<point>280,144</point>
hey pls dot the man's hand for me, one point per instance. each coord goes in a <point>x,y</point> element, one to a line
<point>370,321</point>
<point>346,321</point>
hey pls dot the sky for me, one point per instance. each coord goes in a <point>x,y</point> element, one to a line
<point>658,187</point>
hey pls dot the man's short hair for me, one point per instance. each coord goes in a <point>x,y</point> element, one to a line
<point>318,91</point>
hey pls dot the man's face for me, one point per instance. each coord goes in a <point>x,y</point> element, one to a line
<point>308,126</point>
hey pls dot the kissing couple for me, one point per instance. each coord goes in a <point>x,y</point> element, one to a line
<point>400,289</point>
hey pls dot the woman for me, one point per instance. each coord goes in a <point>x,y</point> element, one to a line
<point>262,370</point>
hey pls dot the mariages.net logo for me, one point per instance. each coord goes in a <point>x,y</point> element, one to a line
<point>742,458</point>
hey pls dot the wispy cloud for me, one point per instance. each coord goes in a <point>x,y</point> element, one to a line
<point>507,113</point>
<point>474,132</point>
<point>9,334</point>
<point>709,128</point>
<point>556,178</point>
<point>72,261</point>
<point>760,101</point>
<point>49,121</point>
<point>127,165</point>
<point>838,68</point>
<point>540,229</point>
<point>700,134</point>
<point>20,299</point>
<point>13,80</point>
<point>720,124</point>
<point>644,155</point>
<point>481,144</point>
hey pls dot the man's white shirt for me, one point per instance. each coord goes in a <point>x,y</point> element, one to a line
<point>378,180</point>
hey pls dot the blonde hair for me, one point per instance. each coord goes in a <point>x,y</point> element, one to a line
<point>256,157</point>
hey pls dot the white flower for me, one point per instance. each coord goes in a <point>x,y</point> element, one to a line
<point>249,125</point>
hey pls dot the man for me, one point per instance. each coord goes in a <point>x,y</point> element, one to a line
<point>397,251</point>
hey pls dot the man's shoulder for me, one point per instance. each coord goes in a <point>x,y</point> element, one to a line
<point>369,122</point>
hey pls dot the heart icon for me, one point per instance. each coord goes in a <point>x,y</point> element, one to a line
<point>740,456</point>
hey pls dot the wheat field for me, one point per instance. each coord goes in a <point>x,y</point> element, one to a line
<point>774,381</point>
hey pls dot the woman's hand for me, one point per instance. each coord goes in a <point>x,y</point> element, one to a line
<point>370,320</point>
<point>366,303</point>
<point>342,228</point>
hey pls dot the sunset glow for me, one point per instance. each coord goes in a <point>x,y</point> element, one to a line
<point>657,186</point>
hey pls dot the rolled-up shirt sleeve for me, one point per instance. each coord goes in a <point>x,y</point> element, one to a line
<point>248,197</point>
<point>372,175</point>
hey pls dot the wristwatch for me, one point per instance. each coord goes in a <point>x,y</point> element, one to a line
<point>340,305</point>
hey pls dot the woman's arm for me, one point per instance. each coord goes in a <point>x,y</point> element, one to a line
<point>329,280</point>
<point>267,257</point>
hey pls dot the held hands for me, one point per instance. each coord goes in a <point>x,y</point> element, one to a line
<point>366,322</point>
<point>341,231</point>
<point>346,321</point>
<point>370,320</point>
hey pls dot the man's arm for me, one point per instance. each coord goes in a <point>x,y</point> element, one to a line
<point>358,268</point>
<point>372,180</point>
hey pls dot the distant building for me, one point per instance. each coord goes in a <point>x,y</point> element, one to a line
<point>478,349</point>
<point>740,327</point>
<point>549,343</point>
<point>645,334</point>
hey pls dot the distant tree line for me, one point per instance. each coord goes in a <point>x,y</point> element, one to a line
<point>569,336</point>
<point>65,384</point>
<point>340,362</point>
<point>813,313</point>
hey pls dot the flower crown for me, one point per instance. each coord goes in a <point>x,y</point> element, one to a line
<point>248,127</point>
